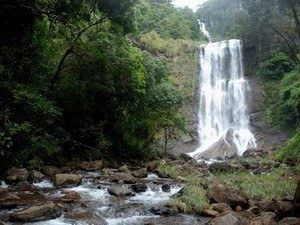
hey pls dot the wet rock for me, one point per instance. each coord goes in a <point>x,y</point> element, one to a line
<point>138,188</point>
<point>24,186</point>
<point>266,218</point>
<point>36,175</point>
<point>124,169</point>
<point>9,201</point>
<point>126,178</point>
<point>15,175</point>
<point>254,209</point>
<point>289,221</point>
<point>220,166</point>
<point>120,191</point>
<point>51,170</point>
<point>71,196</point>
<point>2,223</point>
<point>254,153</point>
<point>141,173</point>
<point>166,188</point>
<point>185,157</point>
<point>220,207</point>
<point>165,211</point>
<point>210,213</point>
<point>67,180</point>
<point>229,218</point>
<point>223,148</point>
<point>222,194</point>
<point>91,166</point>
<point>3,191</point>
<point>46,211</point>
<point>88,217</point>
<point>66,169</point>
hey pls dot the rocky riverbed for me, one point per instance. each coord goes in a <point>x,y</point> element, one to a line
<point>91,194</point>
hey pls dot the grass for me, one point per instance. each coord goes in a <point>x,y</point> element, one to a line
<point>192,200</point>
<point>275,185</point>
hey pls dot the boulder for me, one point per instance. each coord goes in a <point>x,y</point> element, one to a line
<point>125,177</point>
<point>51,170</point>
<point>230,218</point>
<point>67,180</point>
<point>15,175</point>
<point>166,188</point>
<point>9,201</point>
<point>36,175</point>
<point>45,211</point>
<point>124,169</point>
<point>254,153</point>
<point>180,179</point>
<point>266,218</point>
<point>141,173</point>
<point>223,148</point>
<point>289,221</point>
<point>120,191</point>
<point>24,186</point>
<point>138,188</point>
<point>281,208</point>
<point>219,193</point>
<point>220,207</point>
<point>92,165</point>
<point>71,196</point>
<point>210,213</point>
<point>164,211</point>
<point>220,166</point>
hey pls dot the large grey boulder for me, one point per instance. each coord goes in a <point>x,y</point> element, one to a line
<point>15,175</point>
<point>223,148</point>
<point>230,218</point>
<point>122,177</point>
<point>45,211</point>
<point>67,180</point>
<point>120,191</point>
<point>223,194</point>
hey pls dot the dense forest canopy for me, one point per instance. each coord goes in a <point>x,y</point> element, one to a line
<point>88,79</point>
<point>270,31</point>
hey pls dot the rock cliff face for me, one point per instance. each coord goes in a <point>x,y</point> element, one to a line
<point>266,137</point>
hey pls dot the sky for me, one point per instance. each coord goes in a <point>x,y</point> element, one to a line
<point>190,3</point>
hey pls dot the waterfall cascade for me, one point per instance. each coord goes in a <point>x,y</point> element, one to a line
<point>223,121</point>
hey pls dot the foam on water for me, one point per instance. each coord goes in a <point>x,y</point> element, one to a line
<point>3,184</point>
<point>129,220</point>
<point>44,184</point>
<point>154,197</point>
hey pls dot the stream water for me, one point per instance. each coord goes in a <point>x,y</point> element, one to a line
<point>98,207</point>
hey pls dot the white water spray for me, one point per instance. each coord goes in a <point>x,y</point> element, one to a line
<point>223,92</point>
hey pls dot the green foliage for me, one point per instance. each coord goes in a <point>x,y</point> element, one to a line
<point>192,200</point>
<point>291,151</point>
<point>277,66</point>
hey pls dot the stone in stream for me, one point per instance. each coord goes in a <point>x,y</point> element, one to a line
<point>210,213</point>
<point>230,218</point>
<point>166,188</point>
<point>125,177</point>
<point>34,213</point>
<point>9,201</point>
<point>120,191</point>
<point>36,175</point>
<point>70,196</point>
<point>289,221</point>
<point>266,218</point>
<point>124,169</point>
<point>141,173</point>
<point>15,175</point>
<point>67,180</point>
<point>138,188</point>
<point>51,170</point>
<point>281,208</point>
<point>220,193</point>
<point>24,186</point>
<point>92,165</point>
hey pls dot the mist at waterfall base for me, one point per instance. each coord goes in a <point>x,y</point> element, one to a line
<point>223,91</point>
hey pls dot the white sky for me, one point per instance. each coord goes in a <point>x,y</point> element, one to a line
<point>190,3</point>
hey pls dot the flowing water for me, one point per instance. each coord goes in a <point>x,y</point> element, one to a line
<point>223,92</point>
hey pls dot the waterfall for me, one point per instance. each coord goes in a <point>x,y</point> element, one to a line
<point>223,120</point>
